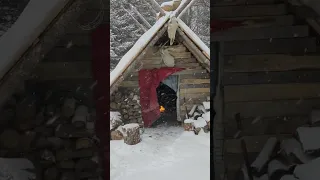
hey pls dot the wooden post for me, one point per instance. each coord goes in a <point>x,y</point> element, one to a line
<point>130,67</point>
<point>195,50</point>
<point>156,6</point>
<point>145,22</point>
<point>135,20</point>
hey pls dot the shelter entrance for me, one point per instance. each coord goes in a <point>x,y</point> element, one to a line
<point>167,99</point>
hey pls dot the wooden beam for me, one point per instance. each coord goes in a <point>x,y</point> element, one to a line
<point>195,51</point>
<point>255,109</point>
<point>135,20</point>
<point>249,10</point>
<point>62,70</point>
<point>186,9</point>
<point>145,22</point>
<point>269,62</point>
<point>156,6</point>
<point>282,20</point>
<point>181,7</point>
<point>242,2</point>
<point>130,67</point>
<point>254,143</point>
<point>314,24</point>
<point>266,125</point>
<point>260,33</point>
<point>46,41</point>
<point>271,46</point>
<point>266,77</point>
<point>261,92</point>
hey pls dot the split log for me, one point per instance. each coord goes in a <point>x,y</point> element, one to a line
<point>276,169</point>
<point>68,131</point>
<point>26,141</point>
<point>116,134</point>
<point>83,143</point>
<point>51,173</point>
<point>68,176</point>
<point>48,156</point>
<point>62,155</point>
<point>69,164</point>
<point>85,165</point>
<point>7,116</point>
<point>68,107</point>
<point>26,112</point>
<point>188,124</point>
<point>315,116</point>
<point>192,110</point>
<point>264,156</point>
<point>10,139</point>
<point>309,171</point>
<point>292,148</point>
<point>80,116</point>
<point>131,133</point>
<point>288,177</point>
<point>307,137</point>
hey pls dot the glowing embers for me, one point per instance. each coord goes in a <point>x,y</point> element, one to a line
<point>162,109</point>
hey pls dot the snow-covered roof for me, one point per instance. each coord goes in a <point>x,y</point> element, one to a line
<point>131,55</point>
<point>142,42</point>
<point>203,47</point>
<point>30,24</point>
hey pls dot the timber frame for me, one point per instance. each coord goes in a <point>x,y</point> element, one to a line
<point>41,45</point>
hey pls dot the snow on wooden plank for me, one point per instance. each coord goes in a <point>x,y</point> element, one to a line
<point>206,105</point>
<point>265,154</point>
<point>308,138</point>
<point>131,55</point>
<point>309,171</point>
<point>30,24</point>
<point>194,38</point>
<point>293,147</point>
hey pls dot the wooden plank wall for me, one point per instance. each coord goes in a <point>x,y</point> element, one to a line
<point>274,95</point>
<point>67,67</point>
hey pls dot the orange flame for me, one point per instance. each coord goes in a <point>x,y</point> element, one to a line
<point>162,109</point>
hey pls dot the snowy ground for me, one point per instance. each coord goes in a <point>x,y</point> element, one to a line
<point>164,153</point>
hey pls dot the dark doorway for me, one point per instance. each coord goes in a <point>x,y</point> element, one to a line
<point>167,99</point>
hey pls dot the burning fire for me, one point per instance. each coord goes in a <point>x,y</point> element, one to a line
<point>162,109</point>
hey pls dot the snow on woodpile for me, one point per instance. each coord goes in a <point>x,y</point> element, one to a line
<point>142,42</point>
<point>198,119</point>
<point>194,37</point>
<point>294,158</point>
<point>115,120</point>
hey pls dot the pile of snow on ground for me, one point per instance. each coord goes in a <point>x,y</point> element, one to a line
<point>163,153</point>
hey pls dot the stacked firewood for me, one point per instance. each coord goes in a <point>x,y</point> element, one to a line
<point>293,158</point>
<point>130,133</point>
<point>56,133</point>
<point>128,104</point>
<point>198,118</point>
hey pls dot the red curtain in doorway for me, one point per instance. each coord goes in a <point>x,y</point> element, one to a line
<point>149,80</point>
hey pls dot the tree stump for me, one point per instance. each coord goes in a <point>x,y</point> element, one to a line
<point>131,133</point>
<point>188,125</point>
